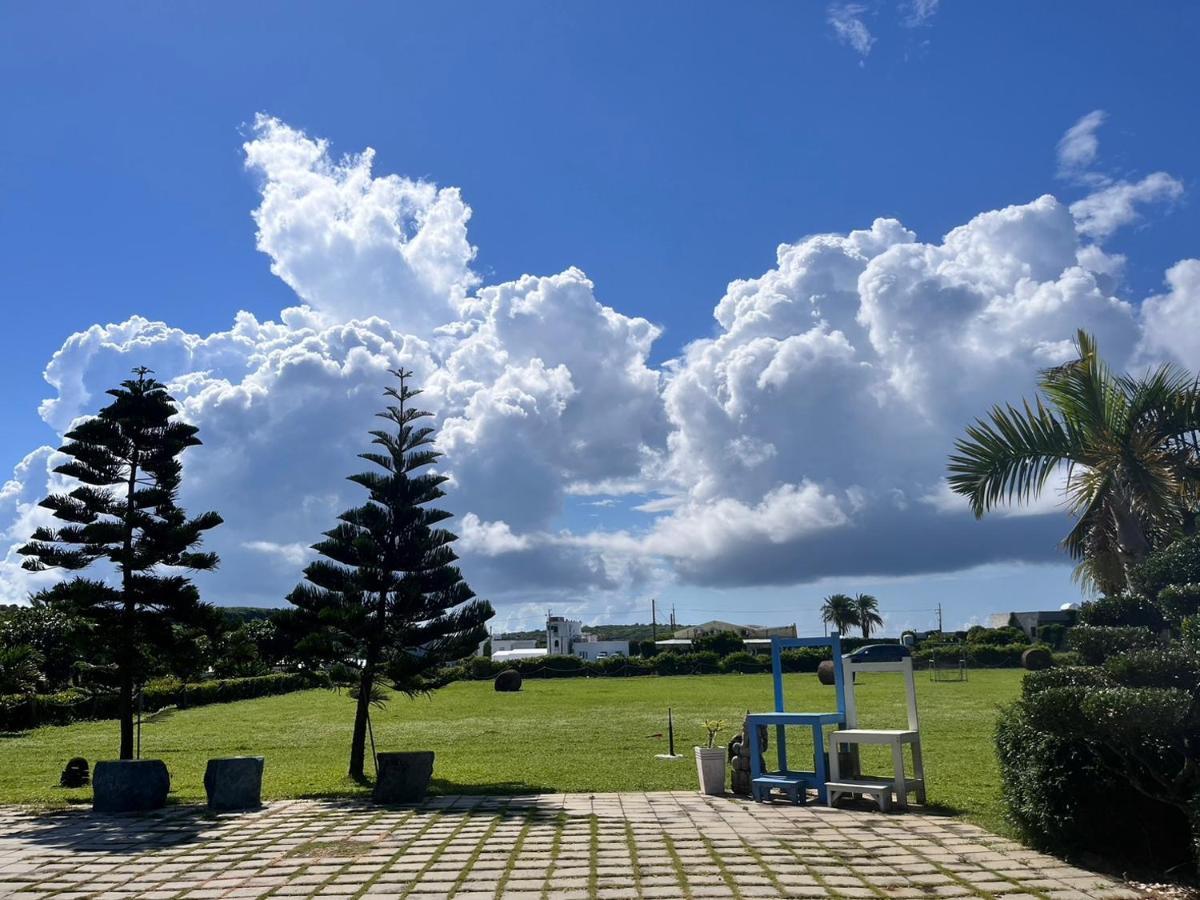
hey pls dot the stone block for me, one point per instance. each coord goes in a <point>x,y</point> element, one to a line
<point>130,785</point>
<point>403,777</point>
<point>234,782</point>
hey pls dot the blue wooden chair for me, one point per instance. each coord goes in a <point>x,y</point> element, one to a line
<point>795,782</point>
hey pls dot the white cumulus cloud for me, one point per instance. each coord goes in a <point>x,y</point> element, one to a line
<point>806,437</point>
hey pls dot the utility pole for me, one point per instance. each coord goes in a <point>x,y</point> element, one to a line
<point>939,618</point>
<point>654,623</point>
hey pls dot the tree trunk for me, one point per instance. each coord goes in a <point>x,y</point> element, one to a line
<point>125,712</point>
<point>126,638</point>
<point>1130,536</point>
<point>358,741</point>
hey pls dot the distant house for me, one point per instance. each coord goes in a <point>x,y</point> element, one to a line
<point>1030,622</point>
<point>745,631</point>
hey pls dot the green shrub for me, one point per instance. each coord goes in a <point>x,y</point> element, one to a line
<point>978,634</point>
<point>1096,643</point>
<point>1122,610</point>
<point>743,661</point>
<point>1174,666</point>
<point>1089,745</point>
<point>550,667</point>
<point>1067,658</point>
<point>1177,563</point>
<point>484,668</point>
<point>1190,629</point>
<point>1052,635</point>
<point>21,713</point>
<point>803,659</point>
<point>621,666</point>
<point>1179,602</point>
<point>1061,798</point>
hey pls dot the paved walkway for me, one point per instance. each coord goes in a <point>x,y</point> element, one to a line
<point>667,845</point>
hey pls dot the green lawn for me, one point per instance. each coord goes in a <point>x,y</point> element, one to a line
<point>576,734</point>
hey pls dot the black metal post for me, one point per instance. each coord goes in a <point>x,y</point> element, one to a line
<point>670,733</point>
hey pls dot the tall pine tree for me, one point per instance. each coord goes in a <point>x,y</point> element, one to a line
<point>387,600</point>
<point>124,510</point>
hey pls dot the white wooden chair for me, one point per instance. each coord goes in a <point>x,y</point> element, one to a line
<point>881,789</point>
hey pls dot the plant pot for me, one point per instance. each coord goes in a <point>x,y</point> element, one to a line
<point>710,765</point>
<point>403,777</point>
<point>234,782</point>
<point>130,785</point>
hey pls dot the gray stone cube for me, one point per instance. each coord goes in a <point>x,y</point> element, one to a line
<point>234,782</point>
<point>130,785</point>
<point>403,777</point>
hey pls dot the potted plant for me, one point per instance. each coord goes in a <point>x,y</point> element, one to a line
<point>710,761</point>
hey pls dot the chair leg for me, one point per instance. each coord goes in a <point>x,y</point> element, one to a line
<point>900,781</point>
<point>919,770</point>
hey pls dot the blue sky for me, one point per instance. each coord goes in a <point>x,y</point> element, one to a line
<point>663,149</point>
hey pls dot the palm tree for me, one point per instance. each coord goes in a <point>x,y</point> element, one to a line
<point>866,608</point>
<point>20,669</point>
<point>839,611</point>
<point>1129,447</point>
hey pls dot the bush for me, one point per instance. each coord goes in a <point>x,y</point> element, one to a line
<point>1179,602</point>
<point>1177,563</point>
<point>1161,667</point>
<point>1067,658</point>
<point>743,661</point>
<point>621,666</point>
<point>1096,643</point>
<point>803,659</point>
<point>1052,635</point>
<point>978,656</point>
<point>483,668</point>
<point>977,634</point>
<point>721,643</point>
<point>1122,610</point>
<point>20,713</point>
<point>1062,799</point>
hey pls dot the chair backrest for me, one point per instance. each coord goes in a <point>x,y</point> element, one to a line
<point>904,667</point>
<point>833,641</point>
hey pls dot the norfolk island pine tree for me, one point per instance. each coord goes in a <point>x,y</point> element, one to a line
<point>124,510</point>
<point>387,598</point>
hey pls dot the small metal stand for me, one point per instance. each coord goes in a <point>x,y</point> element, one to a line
<point>670,754</point>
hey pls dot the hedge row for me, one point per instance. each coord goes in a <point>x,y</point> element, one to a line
<point>803,659</point>
<point>978,656</point>
<point>19,713</point>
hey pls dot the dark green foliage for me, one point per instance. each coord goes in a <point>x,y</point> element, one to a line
<point>126,460</point>
<point>978,656</point>
<point>59,638</point>
<point>18,713</point>
<point>387,599</point>
<point>744,661</point>
<point>20,669</point>
<point>977,634</point>
<point>1052,635</point>
<point>1179,602</point>
<point>840,612</point>
<point>1087,746</point>
<point>866,612</point>
<point>1177,563</point>
<point>1122,610</point>
<point>1062,799</point>
<point>1173,666</point>
<point>1096,643</point>
<point>721,643</point>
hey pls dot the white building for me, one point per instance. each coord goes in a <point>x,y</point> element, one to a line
<point>565,637</point>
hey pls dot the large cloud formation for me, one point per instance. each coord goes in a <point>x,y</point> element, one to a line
<point>806,437</point>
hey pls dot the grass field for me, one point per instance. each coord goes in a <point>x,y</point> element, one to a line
<point>555,735</point>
